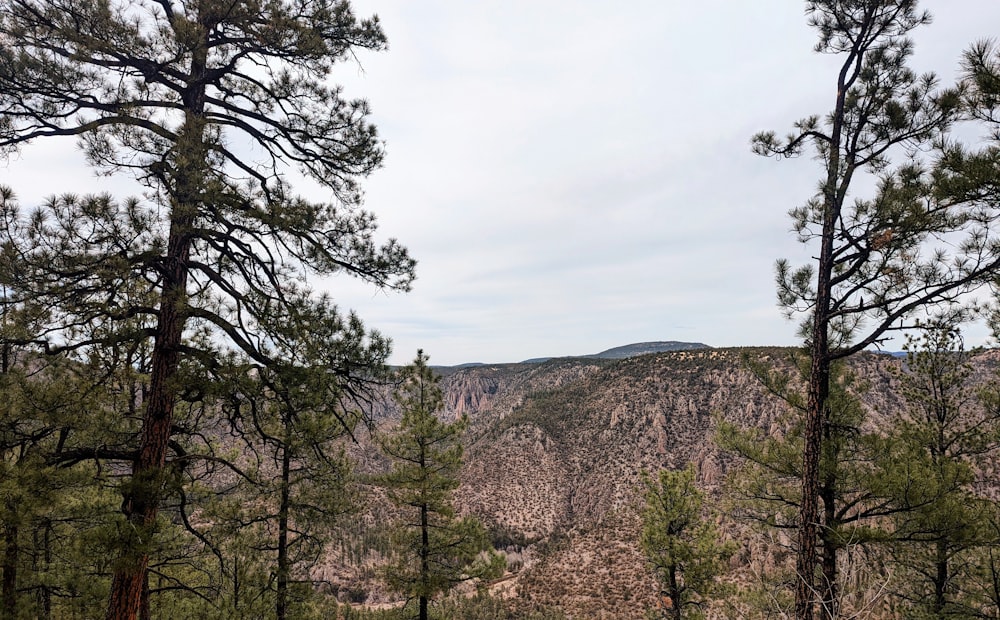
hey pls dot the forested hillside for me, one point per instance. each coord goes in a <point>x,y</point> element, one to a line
<point>555,452</point>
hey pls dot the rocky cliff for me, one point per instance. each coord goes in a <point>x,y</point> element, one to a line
<point>555,451</point>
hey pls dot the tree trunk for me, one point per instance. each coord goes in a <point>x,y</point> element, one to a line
<point>941,579</point>
<point>425,565</point>
<point>8,589</point>
<point>281,606</point>
<point>828,530</point>
<point>425,540</point>
<point>142,495</point>
<point>995,583</point>
<point>830,589</point>
<point>819,388</point>
<point>40,564</point>
<point>236,583</point>
<point>819,369</point>
<point>674,611</point>
<point>145,613</point>
<point>10,557</point>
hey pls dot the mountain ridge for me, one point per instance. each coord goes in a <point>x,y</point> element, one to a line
<point>555,450</point>
<point>629,350</point>
<point>620,352</point>
<point>553,460</point>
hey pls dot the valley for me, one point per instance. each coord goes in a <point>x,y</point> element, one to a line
<point>555,450</point>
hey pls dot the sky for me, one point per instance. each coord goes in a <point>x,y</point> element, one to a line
<point>575,176</point>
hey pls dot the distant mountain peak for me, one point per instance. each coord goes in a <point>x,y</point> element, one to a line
<point>642,348</point>
<point>632,350</point>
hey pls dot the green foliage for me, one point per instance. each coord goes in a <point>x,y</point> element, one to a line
<point>900,497</point>
<point>948,435</point>
<point>54,509</point>
<point>860,481</point>
<point>435,549</point>
<point>215,258</point>
<point>683,547</point>
<point>915,246</point>
<point>271,516</point>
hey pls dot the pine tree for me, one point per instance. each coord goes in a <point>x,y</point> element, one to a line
<point>859,481</point>
<point>949,431</point>
<point>180,95</point>
<point>681,545</point>
<point>881,261</point>
<point>51,502</point>
<point>291,419</point>
<point>436,549</point>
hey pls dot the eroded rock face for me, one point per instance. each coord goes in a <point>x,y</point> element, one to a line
<point>591,433</point>
<point>555,452</point>
<point>470,393</point>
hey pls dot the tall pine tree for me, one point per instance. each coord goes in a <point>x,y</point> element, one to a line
<point>948,435</point>
<point>207,103</point>
<point>435,549</point>
<point>881,261</point>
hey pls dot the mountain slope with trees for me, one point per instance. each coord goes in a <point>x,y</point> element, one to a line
<point>556,471</point>
<point>555,454</point>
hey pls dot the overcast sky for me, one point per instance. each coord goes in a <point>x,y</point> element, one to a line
<point>574,176</point>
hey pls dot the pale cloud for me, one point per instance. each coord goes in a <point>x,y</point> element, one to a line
<point>574,176</point>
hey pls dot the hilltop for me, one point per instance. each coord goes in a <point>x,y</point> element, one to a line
<point>631,350</point>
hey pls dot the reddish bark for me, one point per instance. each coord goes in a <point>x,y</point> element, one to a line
<point>143,494</point>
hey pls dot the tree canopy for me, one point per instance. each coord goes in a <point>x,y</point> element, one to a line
<point>435,548</point>
<point>919,245</point>
<point>208,104</point>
